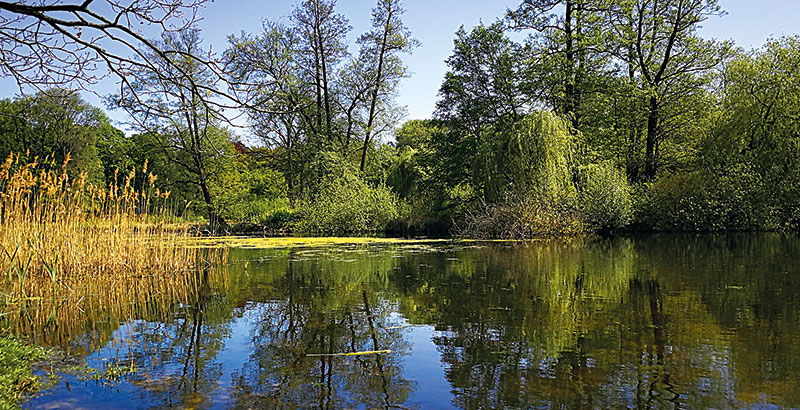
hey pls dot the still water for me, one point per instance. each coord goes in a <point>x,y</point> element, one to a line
<point>672,321</point>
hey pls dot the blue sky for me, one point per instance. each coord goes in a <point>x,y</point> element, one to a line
<point>749,23</point>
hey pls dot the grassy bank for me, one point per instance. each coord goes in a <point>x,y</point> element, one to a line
<point>16,376</point>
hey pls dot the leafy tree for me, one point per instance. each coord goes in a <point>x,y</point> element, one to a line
<point>183,126</point>
<point>321,32</point>
<point>758,129</point>
<point>531,158</point>
<point>379,49</point>
<point>569,51</point>
<point>343,202</point>
<point>484,85</point>
<point>269,66</point>
<point>57,122</point>
<point>669,59</point>
<point>484,82</point>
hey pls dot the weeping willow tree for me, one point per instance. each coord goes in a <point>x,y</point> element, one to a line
<point>528,158</point>
<point>525,168</point>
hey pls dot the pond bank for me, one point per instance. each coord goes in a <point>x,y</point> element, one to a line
<point>16,374</point>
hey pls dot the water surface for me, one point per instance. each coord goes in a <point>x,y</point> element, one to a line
<point>660,321</point>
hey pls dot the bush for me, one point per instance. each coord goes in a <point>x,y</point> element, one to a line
<point>605,197</point>
<point>736,200</point>
<point>282,219</point>
<point>347,204</point>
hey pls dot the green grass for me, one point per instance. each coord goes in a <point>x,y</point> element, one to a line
<point>16,373</point>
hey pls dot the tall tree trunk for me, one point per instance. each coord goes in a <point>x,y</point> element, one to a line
<point>377,86</point>
<point>569,85</point>
<point>650,148</point>
<point>213,219</point>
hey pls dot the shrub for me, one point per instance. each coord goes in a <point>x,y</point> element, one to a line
<point>347,204</point>
<point>733,200</point>
<point>520,218</point>
<point>605,197</point>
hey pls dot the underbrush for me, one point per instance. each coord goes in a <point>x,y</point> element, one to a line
<point>520,219</point>
<point>348,204</point>
<point>700,201</point>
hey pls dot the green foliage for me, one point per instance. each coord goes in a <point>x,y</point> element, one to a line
<point>343,202</point>
<point>734,200</point>
<point>530,158</point>
<point>347,204</point>
<point>485,82</point>
<point>525,168</point>
<point>246,192</point>
<point>16,375</point>
<point>57,122</point>
<point>605,197</point>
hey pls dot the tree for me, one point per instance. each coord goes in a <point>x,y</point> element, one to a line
<point>487,83</point>
<point>52,43</point>
<point>269,68</point>
<point>322,32</point>
<point>185,127</point>
<point>486,80</point>
<point>755,142</point>
<point>760,94</point>
<point>56,122</point>
<point>379,50</point>
<point>668,57</point>
<point>568,49</point>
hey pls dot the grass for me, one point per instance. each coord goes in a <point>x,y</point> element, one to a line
<point>55,227</point>
<point>16,376</point>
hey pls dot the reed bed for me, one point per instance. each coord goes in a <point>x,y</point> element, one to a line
<point>68,246</point>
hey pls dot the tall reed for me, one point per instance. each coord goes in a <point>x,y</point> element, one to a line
<point>57,232</point>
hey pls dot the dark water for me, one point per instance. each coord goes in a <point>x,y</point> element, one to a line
<point>650,322</point>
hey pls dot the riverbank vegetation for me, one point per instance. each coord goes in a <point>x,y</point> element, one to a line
<point>63,228</point>
<point>68,247</point>
<point>16,377</point>
<point>71,251</point>
<point>608,116</point>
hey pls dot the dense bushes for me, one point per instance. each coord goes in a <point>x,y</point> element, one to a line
<point>347,204</point>
<point>736,200</point>
<point>605,199</point>
<point>342,201</point>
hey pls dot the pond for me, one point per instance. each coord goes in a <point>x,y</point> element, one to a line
<point>657,321</point>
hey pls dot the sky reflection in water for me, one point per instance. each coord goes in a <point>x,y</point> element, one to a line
<point>660,321</point>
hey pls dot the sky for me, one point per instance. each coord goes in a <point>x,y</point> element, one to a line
<point>433,22</point>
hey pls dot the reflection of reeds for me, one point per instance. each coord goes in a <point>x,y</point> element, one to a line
<point>86,316</point>
<point>69,248</point>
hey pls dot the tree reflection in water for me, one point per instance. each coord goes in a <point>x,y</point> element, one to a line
<point>646,322</point>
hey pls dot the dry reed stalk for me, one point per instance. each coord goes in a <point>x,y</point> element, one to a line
<point>58,233</point>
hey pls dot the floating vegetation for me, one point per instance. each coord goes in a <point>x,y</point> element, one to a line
<point>301,242</point>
